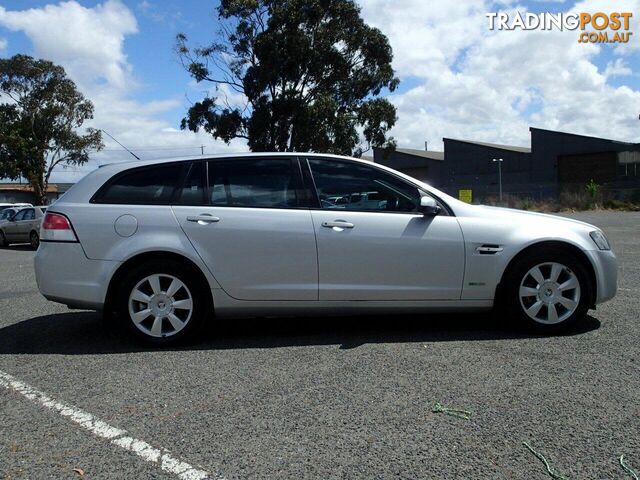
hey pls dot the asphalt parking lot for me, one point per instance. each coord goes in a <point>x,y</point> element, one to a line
<point>323,399</point>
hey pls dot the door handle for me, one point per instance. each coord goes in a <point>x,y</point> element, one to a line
<point>338,224</point>
<point>203,219</point>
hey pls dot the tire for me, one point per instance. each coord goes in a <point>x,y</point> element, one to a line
<point>540,303</point>
<point>148,298</point>
<point>34,240</point>
<point>3,240</point>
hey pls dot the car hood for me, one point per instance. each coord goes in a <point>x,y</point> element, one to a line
<point>524,216</point>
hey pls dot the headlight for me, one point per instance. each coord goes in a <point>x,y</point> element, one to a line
<point>600,240</point>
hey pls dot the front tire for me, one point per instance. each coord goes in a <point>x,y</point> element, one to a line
<point>162,303</point>
<point>548,290</point>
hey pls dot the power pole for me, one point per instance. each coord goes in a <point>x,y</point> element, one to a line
<point>499,160</point>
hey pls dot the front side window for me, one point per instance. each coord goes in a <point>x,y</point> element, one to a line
<point>19,216</point>
<point>266,183</point>
<point>350,186</point>
<point>143,186</point>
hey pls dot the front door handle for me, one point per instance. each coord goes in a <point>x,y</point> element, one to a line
<point>203,219</point>
<point>338,224</point>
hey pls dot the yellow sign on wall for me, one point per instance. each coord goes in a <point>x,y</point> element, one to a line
<point>465,195</point>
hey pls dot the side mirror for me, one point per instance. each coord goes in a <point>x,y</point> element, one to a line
<point>428,206</point>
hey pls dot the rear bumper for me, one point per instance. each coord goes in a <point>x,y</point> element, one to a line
<point>606,268</point>
<point>65,275</point>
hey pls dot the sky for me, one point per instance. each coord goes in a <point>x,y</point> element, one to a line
<point>459,79</point>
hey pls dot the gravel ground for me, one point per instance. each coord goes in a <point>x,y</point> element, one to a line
<point>327,399</point>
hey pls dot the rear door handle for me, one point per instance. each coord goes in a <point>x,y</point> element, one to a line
<point>203,219</point>
<point>337,224</point>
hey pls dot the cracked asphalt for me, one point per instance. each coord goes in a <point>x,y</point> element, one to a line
<point>338,398</point>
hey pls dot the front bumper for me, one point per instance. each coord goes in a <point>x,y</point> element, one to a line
<point>605,266</point>
<point>65,275</point>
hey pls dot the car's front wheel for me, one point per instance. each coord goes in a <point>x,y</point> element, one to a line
<point>162,304</point>
<point>548,290</point>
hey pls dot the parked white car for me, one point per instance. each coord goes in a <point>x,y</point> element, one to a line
<point>165,244</point>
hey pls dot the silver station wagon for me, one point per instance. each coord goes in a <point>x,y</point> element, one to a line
<point>169,244</point>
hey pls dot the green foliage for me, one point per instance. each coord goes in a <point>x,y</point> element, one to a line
<point>592,189</point>
<point>38,123</point>
<point>310,71</point>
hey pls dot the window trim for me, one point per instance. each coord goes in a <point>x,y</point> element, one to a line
<point>311,184</point>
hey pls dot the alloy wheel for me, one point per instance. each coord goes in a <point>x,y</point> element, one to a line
<point>549,293</point>
<point>160,305</point>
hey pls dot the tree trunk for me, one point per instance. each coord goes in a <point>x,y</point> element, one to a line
<point>39,191</point>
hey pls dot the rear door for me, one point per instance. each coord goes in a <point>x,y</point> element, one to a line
<point>247,220</point>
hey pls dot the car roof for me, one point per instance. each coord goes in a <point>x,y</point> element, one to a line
<point>225,156</point>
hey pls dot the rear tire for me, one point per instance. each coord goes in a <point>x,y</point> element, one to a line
<point>547,290</point>
<point>162,303</point>
<point>34,240</point>
<point>3,240</point>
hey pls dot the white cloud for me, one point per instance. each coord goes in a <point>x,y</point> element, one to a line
<point>477,84</point>
<point>3,44</point>
<point>89,44</point>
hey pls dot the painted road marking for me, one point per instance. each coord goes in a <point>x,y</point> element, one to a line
<point>116,436</point>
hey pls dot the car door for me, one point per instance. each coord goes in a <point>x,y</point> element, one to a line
<point>12,227</point>
<point>381,248</point>
<point>26,225</point>
<point>246,219</point>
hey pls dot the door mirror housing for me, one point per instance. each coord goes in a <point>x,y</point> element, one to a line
<point>428,206</point>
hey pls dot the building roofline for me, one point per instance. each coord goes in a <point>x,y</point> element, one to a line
<point>511,148</point>
<point>531,129</point>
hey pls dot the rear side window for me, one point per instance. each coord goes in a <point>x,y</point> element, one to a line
<point>192,191</point>
<point>29,214</point>
<point>266,183</point>
<point>142,186</point>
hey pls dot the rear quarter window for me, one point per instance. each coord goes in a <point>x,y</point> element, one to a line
<point>142,186</point>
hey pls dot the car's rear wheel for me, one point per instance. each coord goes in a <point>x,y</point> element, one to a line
<point>3,240</point>
<point>548,290</point>
<point>162,303</point>
<point>34,240</point>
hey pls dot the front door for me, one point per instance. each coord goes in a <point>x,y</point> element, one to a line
<point>372,243</point>
<point>13,228</point>
<point>246,224</point>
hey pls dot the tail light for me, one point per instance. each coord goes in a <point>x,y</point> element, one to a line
<point>57,228</point>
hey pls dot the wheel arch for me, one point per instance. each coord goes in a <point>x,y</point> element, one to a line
<point>157,256</point>
<point>569,248</point>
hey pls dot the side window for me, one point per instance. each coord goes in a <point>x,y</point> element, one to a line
<point>20,215</point>
<point>349,186</point>
<point>143,186</point>
<point>29,214</point>
<point>269,183</point>
<point>192,191</point>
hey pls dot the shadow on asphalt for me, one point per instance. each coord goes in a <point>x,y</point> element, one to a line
<point>86,333</point>
<point>21,247</point>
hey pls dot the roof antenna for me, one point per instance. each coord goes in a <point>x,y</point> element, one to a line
<point>113,138</point>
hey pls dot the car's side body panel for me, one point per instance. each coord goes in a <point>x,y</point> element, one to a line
<point>256,253</point>
<point>389,256</point>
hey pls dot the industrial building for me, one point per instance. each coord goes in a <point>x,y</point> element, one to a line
<point>555,162</point>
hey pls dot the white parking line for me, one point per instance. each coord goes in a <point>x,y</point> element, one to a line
<point>116,436</point>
